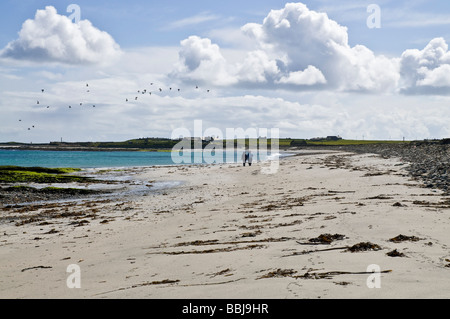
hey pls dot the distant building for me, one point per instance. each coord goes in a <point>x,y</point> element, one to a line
<point>334,138</point>
<point>208,139</point>
<point>328,138</point>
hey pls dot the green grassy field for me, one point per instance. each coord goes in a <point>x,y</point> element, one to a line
<point>166,145</point>
<point>354,142</point>
<point>286,142</point>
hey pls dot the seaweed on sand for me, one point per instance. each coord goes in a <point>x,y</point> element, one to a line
<point>279,273</point>
<point>401,238</point>
<point>330,274</point>
<point>364,246</point>
<point>326,238</point>
<point>51,190</point>
<point>395,253</point>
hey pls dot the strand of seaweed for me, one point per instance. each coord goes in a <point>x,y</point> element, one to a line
<point>364,246</point>
<point>314,275</point>
<point>36,267</point>
<point>162,282</point>
<point>212,283</point>
<point>167,282</point>
<point>208,251</point>
<point>217,242</point>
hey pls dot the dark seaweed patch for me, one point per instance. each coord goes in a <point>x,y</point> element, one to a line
<point>395,253</point>
<point>364,246</point>
<point>401,238</point>
<point>326,238</point>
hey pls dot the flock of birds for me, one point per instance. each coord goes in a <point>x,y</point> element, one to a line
<point>160,90</point>
<point>128,99</point>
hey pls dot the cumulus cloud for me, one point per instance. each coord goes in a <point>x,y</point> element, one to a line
<point>200,60</point>
<point>257,68</point>
<point>296,48</point>
<point>438,77</point>
<point>427,70</point>
<point>302,39</point>
<point>301,48</point>
<point>51,37</point>
<point>310,76</point>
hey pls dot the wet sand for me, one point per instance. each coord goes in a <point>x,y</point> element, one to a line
<point>315,228</point>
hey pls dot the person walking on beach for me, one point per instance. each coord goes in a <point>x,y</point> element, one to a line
<point>247,156</point>
<point>244,157</point>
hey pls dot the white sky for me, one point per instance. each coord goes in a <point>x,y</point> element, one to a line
<point>309,69</point>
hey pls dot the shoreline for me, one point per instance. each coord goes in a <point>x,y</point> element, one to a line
<point>233,232</point>
<point>89,149</point>
<point>98,163</point>
<point>78,149</point>
<point>103,176</point>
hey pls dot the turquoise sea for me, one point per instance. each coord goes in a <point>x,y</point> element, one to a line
<point>100,159</point>
<point>118,182</point>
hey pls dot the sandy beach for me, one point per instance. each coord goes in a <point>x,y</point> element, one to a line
<point>315,228</point>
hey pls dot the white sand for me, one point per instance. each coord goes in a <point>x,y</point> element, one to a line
<point>227,226</point>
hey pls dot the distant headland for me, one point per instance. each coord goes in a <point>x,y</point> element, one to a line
<point>167,144</point>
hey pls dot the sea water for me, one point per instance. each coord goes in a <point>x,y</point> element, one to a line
<point>123,184</point>
<point>104,159</point>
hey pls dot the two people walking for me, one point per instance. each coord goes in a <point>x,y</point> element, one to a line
<point>247,156</point>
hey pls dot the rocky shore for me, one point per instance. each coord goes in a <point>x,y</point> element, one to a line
<point>25,185</point>
<point>24,194</point>
<point>429,162</point>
